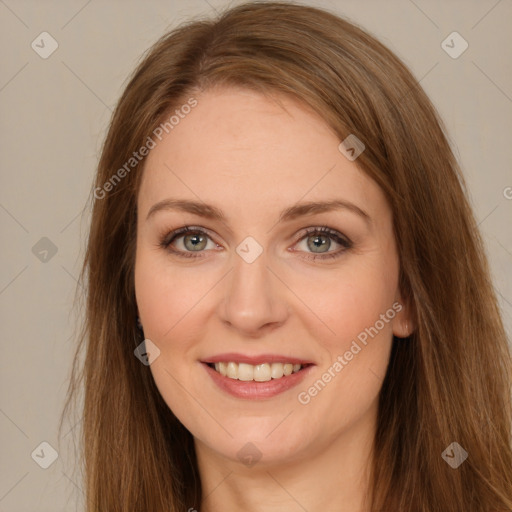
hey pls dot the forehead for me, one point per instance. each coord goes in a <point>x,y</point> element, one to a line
<point>244,151</point>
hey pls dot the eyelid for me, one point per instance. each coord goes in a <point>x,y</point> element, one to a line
<point>325,230</point>
<point>170,236</point>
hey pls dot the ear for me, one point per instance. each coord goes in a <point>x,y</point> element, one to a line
<point>403,323</point>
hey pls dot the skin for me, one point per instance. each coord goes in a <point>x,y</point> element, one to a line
<point>252,157</point>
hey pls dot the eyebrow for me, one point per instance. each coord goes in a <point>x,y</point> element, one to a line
<point>298,210</point>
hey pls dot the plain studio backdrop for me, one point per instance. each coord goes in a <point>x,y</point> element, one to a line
<point>64,65</point>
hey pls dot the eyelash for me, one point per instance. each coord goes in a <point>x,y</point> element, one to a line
<point>169,238</point>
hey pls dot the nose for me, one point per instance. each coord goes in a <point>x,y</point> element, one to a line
<point>254,301</point>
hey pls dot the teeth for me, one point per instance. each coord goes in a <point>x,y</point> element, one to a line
<point>259,373</point>
<point>276,370</point>
<point>262,372</point>
<point>245,371</point>
<point>232,371</point>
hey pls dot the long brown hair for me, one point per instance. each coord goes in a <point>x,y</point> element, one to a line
<point>449,382</point>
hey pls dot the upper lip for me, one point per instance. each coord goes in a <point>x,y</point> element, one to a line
<point>256,359</point>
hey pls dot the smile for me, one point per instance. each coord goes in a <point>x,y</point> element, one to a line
<point>257,377</point>
<point>259,373</point>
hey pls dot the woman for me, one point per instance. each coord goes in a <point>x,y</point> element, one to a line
<point>289,305</point>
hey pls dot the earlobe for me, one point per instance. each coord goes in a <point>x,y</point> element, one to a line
<point>403,325</point>
<point>401,328</point>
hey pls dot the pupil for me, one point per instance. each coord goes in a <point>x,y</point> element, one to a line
<point>196,240</point>
<point>318,243</point>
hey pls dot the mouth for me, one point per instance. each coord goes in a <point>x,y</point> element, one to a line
<point>263,372</point>
<point>256,377</point>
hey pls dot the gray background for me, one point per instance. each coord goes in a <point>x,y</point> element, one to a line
<point>54,116</point>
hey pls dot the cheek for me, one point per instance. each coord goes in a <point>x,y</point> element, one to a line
<point>167,300</point>
<point>346,304</point>
<point>356,310</point>
<point>166,295</point>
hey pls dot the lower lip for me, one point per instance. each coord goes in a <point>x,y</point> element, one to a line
<point>253,390</point>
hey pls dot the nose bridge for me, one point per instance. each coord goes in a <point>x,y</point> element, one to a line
<point>252,298</point>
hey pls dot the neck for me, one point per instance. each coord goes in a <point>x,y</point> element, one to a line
<point>332,475</point>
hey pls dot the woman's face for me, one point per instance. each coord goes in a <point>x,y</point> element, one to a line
<point>276,281</point>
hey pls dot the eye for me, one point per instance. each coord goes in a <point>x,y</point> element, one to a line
<point>318,240</point>
<point>188,239</point>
